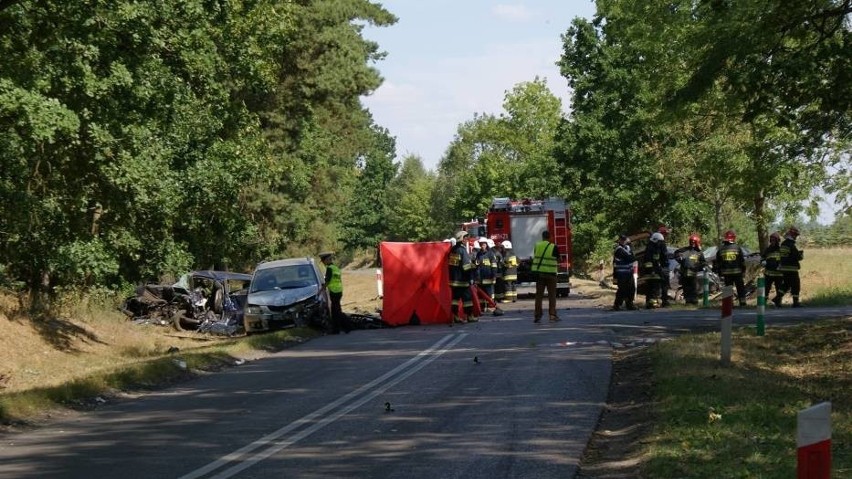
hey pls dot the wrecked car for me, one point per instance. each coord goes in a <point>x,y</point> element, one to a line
<point>205,301</point>
<point>287,293</point>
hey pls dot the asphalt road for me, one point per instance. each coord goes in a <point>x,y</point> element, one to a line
<point>502,398</point>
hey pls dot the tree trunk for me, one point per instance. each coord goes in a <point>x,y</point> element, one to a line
<point>760,220</point>
<point>717,213</point>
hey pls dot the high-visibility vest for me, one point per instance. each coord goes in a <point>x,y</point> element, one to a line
<point>335,285</point>
<point>543,259</point>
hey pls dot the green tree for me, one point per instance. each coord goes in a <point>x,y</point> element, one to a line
<point>408,213</point>
<point>506,155</point>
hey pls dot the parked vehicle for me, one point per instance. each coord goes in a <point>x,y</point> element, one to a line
<point>521,222</point>
<point>286,293</point>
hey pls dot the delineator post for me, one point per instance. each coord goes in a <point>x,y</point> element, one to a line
<point>813,442</point>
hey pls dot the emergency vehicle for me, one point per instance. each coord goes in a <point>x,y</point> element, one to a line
<point>521,222</point>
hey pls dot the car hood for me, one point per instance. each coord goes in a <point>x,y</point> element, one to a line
<point>282,297</point>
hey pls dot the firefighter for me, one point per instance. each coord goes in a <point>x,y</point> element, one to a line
<point>771,261</point>
<point>622,272</point>
<point>650,273</point>
<point>461,277</point>
<point>545,261</point>
<point>789,265</point>
<point>485,269</point>
<point>665,271</point>
<point>499,283</point>
<point>691,261</point>
<point>510,272</point>
<point>730,264</point>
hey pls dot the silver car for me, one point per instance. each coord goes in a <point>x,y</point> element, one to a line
<point>286,293</point>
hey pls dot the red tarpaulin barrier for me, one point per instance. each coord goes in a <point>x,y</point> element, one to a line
<point>416,283</point>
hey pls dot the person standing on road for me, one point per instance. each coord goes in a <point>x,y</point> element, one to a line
<point>622,272</point>
<point>665,271</point>
<point>544,265</point>
<point>334,284</point>
<point>461,278</point>
<point>510,272</point>
<point>730,264</point>
<point>650,273</point>
<point>771,262</point>
<point>789,265</point>
<point>691,261</point>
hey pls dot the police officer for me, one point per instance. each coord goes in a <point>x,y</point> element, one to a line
<point>789,265</point>
<point>691,261</point>
<point>730,264</point>
<point>461,277</point>
<point>334,284</point>
<point>622,272</point>
<point>544,265</point>
<point>771,261</point>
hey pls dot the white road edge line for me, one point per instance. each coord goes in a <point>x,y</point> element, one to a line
<point>269,438</point>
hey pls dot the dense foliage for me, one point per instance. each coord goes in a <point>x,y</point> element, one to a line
<point>142,138</point>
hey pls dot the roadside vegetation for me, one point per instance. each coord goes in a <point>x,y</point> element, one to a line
<point>740,421</point>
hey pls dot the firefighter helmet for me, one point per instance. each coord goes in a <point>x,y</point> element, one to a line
<point>730,236</point>
<point>476,245</point>
<point>694,239</point>
<point>793,232</point>
<point>507,244</point>
<point>482,239</point>
<point>774,237</point>
<point>657,237</point>
<point>663,230</point>
<point>460,235</point>
<point>490,243</point>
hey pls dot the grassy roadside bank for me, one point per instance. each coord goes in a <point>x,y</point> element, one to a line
<point>740,421</point>
<point>151,370</point>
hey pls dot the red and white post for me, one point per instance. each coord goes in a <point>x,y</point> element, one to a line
<point>379,282</point>
<point>727,322</point>
<point>813,442</point>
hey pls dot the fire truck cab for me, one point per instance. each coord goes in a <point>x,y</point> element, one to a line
<point>522,221</point>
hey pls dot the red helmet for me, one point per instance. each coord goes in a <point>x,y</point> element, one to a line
<point>793,231</point>
<point>774,237</point>
<point>730,236</point>
<point>694,239</point>
<point>663,230</point>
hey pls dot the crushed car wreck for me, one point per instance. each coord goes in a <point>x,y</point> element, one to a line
<point>204,301</point>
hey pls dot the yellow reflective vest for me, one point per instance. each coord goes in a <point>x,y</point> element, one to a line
<point>544,260</point>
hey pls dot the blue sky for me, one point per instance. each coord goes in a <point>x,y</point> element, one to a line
<point>449,59</point>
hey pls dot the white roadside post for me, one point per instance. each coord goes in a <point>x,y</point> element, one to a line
<point>813,442</point>
<point>379,281</point>
<point>727,322</point>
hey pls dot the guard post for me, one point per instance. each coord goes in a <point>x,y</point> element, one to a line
<point>727,323</point>
<point>813,442</point>
<point>761,305</point>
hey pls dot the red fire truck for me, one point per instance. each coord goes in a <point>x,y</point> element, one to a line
<point>521,222</point>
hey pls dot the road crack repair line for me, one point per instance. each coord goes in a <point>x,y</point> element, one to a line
<point>274,442</point>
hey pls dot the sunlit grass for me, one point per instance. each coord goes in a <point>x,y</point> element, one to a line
<point>740,421</point>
